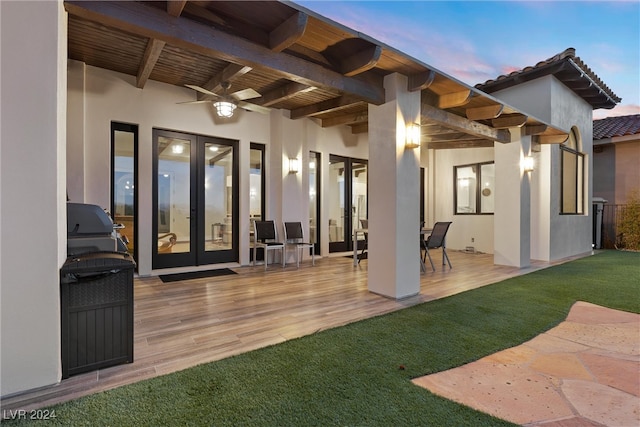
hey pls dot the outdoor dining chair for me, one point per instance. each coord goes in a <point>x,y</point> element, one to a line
<point>437,239</point>
<point>364,223</point>
<point>266,237</point>
<point>294,236</point>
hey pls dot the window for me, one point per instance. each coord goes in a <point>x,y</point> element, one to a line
<point>572,190</point>
<point>474,186</point>
<point>124,181</point>
<point>257,181</point>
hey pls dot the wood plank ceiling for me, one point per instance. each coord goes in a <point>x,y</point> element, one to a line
<point>295,59</point>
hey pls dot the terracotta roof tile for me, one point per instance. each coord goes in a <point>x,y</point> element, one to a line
<point>616,126</point>
<point>570,70</point>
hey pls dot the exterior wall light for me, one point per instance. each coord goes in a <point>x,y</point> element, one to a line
<point>413,136</point>
<point>294,165</point>
<point>528,164</point>
<point>224,108</point>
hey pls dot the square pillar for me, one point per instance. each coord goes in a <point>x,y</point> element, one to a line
<point>394,194</point>
<point>512,217</point>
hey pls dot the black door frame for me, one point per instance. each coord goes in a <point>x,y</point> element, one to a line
<point>347,244</point>
<point>196,254</point>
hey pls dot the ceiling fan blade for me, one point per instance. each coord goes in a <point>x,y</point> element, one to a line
<point>201,90</point>
<point>253,107</point>
<point>194,102</point>
<point>241,95</point>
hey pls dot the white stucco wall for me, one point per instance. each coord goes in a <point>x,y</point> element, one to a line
<point>555,236</point>
<point>111,96</point>
<point>464,227</point>
<point>32,195</point>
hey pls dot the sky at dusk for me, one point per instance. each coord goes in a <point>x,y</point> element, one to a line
<point>476,41</point>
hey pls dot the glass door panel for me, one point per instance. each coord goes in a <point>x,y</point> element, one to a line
<point>195,200</point>
<point>347,200</point>
<point>336,203</point>
<point>174,200</point>
<point>218,196</point>
<point>256,191</point>
<point>359,192</point>
<point>314,202</point>
<point>124,195</point>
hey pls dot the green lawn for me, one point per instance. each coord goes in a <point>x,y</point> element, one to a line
<point>350,376</point>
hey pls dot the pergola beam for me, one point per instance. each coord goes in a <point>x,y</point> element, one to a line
<point>449,120</point>
<point>151,55</point>
<point>144,21</point>
<point>347,119</point>
<point>484,113</point>
<point>361,61</point>
<point>454,99</point>
<point>327,106</point>
<point>283,93</point>
<point>288,32</point>
<point>510,121</point>
<point>420,81</point>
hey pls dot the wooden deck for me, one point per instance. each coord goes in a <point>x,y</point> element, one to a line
<point>182,324</point>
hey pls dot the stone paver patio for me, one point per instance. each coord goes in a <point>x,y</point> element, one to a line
<point>583,372</point>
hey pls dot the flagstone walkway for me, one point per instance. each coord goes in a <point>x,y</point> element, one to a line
<point>584,372</point>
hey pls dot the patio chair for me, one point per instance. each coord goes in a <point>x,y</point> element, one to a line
<point>294,236</point>
<point>266,237</point>
<point>437,239</point>
<point>364,223</point>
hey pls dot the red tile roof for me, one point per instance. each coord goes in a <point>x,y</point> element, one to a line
<point>570,70</point>
<point>616,126</point>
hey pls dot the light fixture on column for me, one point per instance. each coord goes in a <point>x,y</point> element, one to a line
<point>413,136</point>
<point>528,164</point>
<point>294,165</point>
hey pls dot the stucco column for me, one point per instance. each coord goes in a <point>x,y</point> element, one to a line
<point>32,191</point>
<point>394,198</point>
<point>512,217</point>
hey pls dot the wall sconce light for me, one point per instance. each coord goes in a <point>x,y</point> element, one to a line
<point>413,136</point>
<point>224,108</point>
<point>528,164</point>
<point>294,165</point>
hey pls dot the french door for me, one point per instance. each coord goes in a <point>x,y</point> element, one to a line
<point>195,200</point>
<point>347,200</point>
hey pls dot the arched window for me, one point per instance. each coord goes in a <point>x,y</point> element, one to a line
<point>572,184</point>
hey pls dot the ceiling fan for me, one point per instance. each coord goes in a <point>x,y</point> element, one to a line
<point>226,103</point>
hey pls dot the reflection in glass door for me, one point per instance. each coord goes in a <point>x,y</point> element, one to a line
<point>347,199</point>
<point>314,201</point>
<point>124,181</point>
<point>195,203</point>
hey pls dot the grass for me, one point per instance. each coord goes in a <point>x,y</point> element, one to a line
<point>351,376</point>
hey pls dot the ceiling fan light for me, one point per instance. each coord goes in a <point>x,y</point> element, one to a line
<point>224,108</point>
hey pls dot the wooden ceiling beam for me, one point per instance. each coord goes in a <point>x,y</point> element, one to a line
<point>347,119</point>
<point>484,113</point>
<point>420,81</point>
<point>462,124</point>
<point>535,129</point>
<point>144,21</point>
<point>361,61</point>
<point>149,59</point>
<point>175,7</point>
<point>473,143</point>
<point>333,104</point>
<point>360,128</point>
<point>283,93</point>
<point>228,74</point>
<point>550,139</point>
<point>448,137</point>
<point>454,99</point>
<point>289,32</point>
<point>510,121</point>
